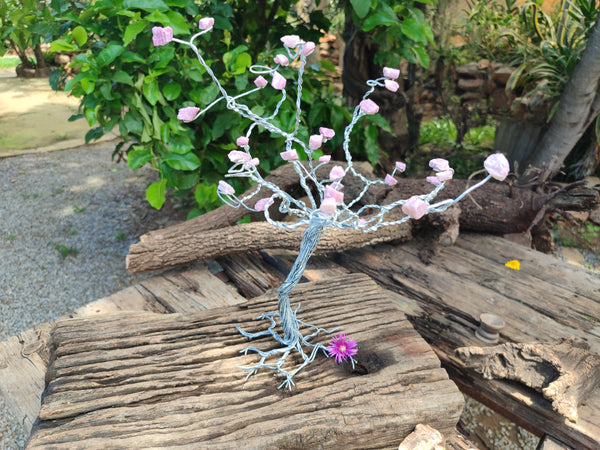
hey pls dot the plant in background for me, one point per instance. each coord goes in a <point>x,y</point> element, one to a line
<point>126,83</point>
<point>324,205</point>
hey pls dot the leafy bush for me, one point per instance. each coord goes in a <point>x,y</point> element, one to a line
<point>125,82</point>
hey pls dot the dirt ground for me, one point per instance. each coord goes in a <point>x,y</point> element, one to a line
<point>34,118</point>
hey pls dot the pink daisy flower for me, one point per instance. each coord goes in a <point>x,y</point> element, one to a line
<point>342,348</point>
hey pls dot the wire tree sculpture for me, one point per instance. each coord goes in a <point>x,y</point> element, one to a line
<point>325,206</point>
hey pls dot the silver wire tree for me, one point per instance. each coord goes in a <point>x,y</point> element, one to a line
<point>325,206</point>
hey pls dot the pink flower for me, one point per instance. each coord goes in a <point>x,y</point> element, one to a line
<point>188,113</point>
<point>282,60</point>
<point>325,158</point>
<point>342,348</point>
<point>433,180</point>
<point>291,40</point>
<point>263,204</point>
<point>390,73</point>
<point>336,173</point>
<point>400,166</point>
<point>415,207</point>
<point>289,155</point>
<point>225,188</point>
<point>439,164</point>
<point>206,23</point>
<point>308,48</point>
<point>315,141</point>
<point>328,206</point>
<point>391,85</point>
<point>242,140</point>
<point>445,175</point>
<point>497,166</point>
<point>334,194</point>
<point>260,81</point>
<point>278,81</point>
<point>368,106</point>
<point>390,180</point>
<point>237,156</point>
<point>327,133</point>
<point>161,36</point>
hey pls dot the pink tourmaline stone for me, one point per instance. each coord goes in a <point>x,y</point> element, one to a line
<point>206,23</point>
<point>390,180</point>
<point>415,207</point>
<point>289,155</point>
<point>390,73</point>
<point>336,173</point>
<point>188,113</point>
<point>368,106</point>
<point>161,36</point>
<point>497,166</point>
<point>278,81</point>
<point>225,188</point>
<point>242,140</point>
<point>327,133</point>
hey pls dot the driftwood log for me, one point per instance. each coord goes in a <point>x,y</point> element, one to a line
<point>144,380</point>
<point>495,208</point>
<point>564,371</point>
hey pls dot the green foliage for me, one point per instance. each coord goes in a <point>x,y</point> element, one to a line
<point>64,250</point>
<point>125,82</point>
<point>399,28</point>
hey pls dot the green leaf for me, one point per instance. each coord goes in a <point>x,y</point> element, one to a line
<point>327,65</point>
<point>172,90</point>
<point>384,16</point>
<point>94,133</point>
<point>139,156</point>
<point>189,161</point>
<point>80,35</point>
<point>361,7</point>
<point>155,194</point>
<point>204,96</point>
<point>413,30</point>
<point>148,5</point>
<point>123,78</point>
<point>88,85</point>
<point>180,144</point>
<point>133,29</point>
<point>109,54</point>
<point>151,92</point>
<point>60,45</point>
<point>371,135</point>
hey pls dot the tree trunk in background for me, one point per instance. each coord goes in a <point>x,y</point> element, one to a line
<point>579,105</point>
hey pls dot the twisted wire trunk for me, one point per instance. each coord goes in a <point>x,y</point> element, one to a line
<point>289,323</point>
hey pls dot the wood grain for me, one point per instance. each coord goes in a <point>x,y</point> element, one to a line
<point>145,380</point>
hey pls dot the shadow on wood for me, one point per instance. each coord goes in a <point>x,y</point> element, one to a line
<point>146,380</point>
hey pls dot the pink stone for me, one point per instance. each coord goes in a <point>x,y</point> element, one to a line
<point>315,141</point>
<point>188,113</point>
<point>391,85</point>
<point>263,204</point>
<point>433,180</point>
<point>415,207</point>
<point>289,155</point>
<point>333,193</point>
<point>282,60</point>
<point>497,166</point>
<point>336,173</point>
<point>325,158</point>
<point>368,106</point>
<point>391,73</point>
<point>400,166</point>
<point>237,156</point>
<point>327,133</point>
<point>161,36</point>
<point>444,175</point>
<point>225,188</point>
<point>242,140</point>
<point>206,23</point>
<point>328,206</point>
<point>278,81</point>
<point>308,48</point>
<point>291,40</point>
<point>390,180</point>
<point>439,164</point>
<point>260,81</point>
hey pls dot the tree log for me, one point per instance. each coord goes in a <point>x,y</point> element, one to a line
<point>494,208</point>
<point>187,248</point>
<point>564,371</point>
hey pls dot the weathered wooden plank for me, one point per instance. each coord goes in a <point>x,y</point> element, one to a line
<point>468,279</point>
<point>24,358</point>
<point>146,380</point>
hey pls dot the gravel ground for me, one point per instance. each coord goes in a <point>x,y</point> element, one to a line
<point>67,219</point>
